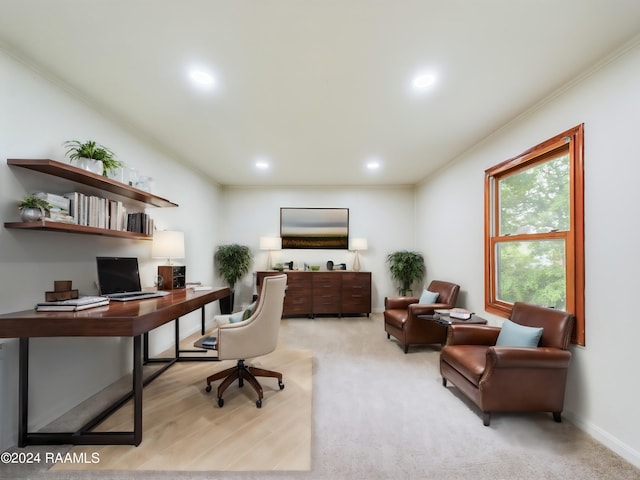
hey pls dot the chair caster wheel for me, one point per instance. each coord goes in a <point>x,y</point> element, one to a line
<point>220,402</point>
<point>208,388</point>
<point>259,403</point>
<point>281,385</point>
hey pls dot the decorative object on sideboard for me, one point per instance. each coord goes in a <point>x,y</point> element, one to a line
<point>169,245</point>
<point>270,244</point>
<point>357,245</point>
<point>336,266</point>
<point>92,156</point>
<point>406,268</point>
<point>33,208</point>
<point>233,262</point>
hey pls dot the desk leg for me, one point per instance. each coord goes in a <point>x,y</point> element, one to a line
<point>23,392</point>
<point>137,390</point>
<point>145,347</point>
<point>178,351</point>
<point>177,337</point>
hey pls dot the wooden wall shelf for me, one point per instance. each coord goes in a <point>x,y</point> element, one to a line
<point>84,177</point>
<point>73,228</point>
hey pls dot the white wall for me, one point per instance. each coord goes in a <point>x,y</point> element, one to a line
<point>603,388</point>
<point>382,215</point>
<point>35,119</point>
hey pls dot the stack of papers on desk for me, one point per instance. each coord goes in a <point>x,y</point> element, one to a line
<point>72,305</point>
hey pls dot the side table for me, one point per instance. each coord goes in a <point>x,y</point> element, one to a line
<point>446,320</point>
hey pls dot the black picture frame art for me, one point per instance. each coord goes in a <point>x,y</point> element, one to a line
<point>314,228</point>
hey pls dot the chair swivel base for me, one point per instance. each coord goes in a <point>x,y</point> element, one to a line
<point>242,372</point>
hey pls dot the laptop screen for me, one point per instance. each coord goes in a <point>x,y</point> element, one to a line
<point>118,274</point>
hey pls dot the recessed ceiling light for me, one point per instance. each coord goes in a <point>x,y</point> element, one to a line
<point>423,81</point>
<point>201,78</point>
<point>373,164</point>
<point>262,164</point>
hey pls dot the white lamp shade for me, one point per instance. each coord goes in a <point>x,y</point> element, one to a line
<point>270,243</point>
<point>167,244</point>
<point>359,244</point>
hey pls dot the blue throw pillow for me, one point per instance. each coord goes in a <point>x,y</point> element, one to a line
<point>427,297</point>
<point>515,335</point>
<point>236,317</point>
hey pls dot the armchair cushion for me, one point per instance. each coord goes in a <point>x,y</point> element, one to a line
<point>514,335</point>
<point>428,297</point>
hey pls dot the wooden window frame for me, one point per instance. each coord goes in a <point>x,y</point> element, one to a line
<point>571,142</point>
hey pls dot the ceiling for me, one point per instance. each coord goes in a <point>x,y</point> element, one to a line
<point>315,88</point>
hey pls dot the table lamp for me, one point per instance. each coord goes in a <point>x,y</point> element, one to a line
<point>358,244</point>
<point>169,244</point>
<point>270,244</point>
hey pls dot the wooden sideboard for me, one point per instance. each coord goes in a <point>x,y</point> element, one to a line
<point>319,293</point>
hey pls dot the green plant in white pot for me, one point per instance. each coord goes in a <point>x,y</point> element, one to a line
<point>233,262</point>
<point>33,208</point>
<point>91,156</point>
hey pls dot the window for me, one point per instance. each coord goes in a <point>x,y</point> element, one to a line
<point>534,229</point>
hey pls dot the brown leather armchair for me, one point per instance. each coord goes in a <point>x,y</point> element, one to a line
<point>401,316</point>
<point>511,379</point>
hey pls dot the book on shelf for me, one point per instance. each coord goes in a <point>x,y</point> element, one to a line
<point>59,202</point>
<point>73,304</point>
<point>99,212</point>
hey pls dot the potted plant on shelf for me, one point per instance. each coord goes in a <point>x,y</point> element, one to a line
<point>92,157</point>
<point>33,209</point>
<point>233,263</point>
<point>406,268</point>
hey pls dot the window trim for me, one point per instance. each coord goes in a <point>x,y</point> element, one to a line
<point>571,141</point>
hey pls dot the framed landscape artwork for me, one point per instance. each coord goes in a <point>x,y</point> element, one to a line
<point>326,228</point>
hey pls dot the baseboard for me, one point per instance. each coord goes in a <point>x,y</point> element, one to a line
<point>604,437</point>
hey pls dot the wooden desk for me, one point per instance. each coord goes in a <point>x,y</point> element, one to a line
<point>120,319</point>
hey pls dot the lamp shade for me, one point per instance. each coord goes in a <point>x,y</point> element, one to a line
<point>359,244</point>
<point>167,244</point>
<point>270,243</point>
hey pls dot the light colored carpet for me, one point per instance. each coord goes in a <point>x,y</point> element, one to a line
<point>381,414</point>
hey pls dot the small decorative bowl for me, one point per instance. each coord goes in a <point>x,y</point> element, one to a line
<point>315,268</point>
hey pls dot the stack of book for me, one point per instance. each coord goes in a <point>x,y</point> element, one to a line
<point>59,211</point>
<point>72,305</point>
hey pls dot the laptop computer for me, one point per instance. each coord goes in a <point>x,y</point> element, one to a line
<point>119,279</point>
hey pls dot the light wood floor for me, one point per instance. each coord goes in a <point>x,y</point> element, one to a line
<point>184,429</point>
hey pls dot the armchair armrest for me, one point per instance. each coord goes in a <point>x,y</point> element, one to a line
<point>416,309</point>
<point>399,303</point>
<point>460,334</point>
<point>527,357</point>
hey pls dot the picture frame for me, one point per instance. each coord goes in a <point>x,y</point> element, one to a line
<point>314,228</point>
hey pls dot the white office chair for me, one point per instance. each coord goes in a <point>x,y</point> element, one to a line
<point>253,337</point>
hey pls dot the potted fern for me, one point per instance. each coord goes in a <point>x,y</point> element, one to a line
<point>33,208</point>
<point>406,268</point>
<point>91,156</point>
<point>233,263</point>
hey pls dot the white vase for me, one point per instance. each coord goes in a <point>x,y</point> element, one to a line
<point>91,165</point>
